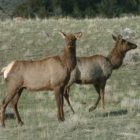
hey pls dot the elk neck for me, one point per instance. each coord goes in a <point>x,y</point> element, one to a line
<point>70,57</point>
<point>116,56</point>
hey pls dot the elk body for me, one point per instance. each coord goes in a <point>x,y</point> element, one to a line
<point>97,69</point>
<point>51,73</point>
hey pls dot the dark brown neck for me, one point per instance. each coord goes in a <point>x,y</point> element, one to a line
<point>70,57</point>
<point>116,57</point>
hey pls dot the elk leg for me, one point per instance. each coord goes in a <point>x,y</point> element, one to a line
<point>61,107</point>
<point>97,87</point>
<point>102,101</point>
<point>9,95</point>
<point>100,88</point>
<point>61,91</point>
<point>66,95</point>
<point>102,96</point>
<point>59,104</point>
<point>14,103</point>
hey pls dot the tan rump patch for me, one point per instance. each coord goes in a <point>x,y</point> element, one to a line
<point>6,70</point>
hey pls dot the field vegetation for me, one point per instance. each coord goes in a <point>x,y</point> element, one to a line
<point>35,39</point>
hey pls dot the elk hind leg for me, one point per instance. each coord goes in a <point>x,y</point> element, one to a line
<point>66,95</point>
<point>14,104</point>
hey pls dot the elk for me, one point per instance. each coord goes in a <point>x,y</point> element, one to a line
<point>51,73</point>
<point>97,69</point>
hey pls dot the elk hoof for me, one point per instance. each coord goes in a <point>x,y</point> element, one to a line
<point>61,119</point>
<point>92,108</point>
<point>21,123</point>
<point>73,112</point>
<point>2,125</point>
<point>102,109</point>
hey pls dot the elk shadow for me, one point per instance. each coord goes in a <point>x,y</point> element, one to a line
<point>9,115</point>
<point>115,113</point>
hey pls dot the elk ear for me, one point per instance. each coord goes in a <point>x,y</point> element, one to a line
<point>114,37</point>
<point>78,35</point>
<point>62,34</point>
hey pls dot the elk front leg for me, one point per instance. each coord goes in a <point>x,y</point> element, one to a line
<point>9,95</point>
<point>102,98</point>
<point>59,104</point>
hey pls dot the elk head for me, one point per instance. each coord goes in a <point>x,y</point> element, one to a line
<point>70,39</point>
<point>123,44</point>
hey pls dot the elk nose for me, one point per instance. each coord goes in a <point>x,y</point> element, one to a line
<point>135,46</point>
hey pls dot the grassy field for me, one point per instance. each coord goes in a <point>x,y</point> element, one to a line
<point>33,39</point>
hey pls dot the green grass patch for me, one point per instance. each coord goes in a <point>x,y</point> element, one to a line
<point>33,39</point>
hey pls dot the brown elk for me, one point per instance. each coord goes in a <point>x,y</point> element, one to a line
<point>51,73</point>
<point>97,69</point>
